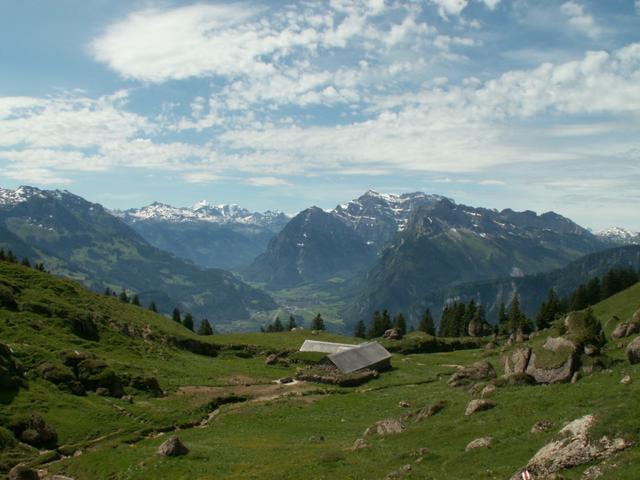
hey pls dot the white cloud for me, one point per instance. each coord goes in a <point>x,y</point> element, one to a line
<point>267,182</point>
<point>450,7</point>
<point>491,4</point>
<point>579,19</point>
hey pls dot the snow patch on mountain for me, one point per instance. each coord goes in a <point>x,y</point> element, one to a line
<point>620,236</point>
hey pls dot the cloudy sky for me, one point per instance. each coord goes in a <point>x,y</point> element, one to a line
<point>528,104</point>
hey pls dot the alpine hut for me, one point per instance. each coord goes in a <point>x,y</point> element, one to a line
<point>351,358</point>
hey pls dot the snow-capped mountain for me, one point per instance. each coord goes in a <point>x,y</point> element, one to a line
<point>619,236</point>
<point>378,217</point>
<point>203,211</point>
<point>220,236</point>
<point>9,198</point>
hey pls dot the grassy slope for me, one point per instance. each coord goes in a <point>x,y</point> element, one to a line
<point>274,438</point>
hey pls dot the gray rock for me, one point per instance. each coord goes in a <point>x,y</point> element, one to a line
<point>561,374</point>
<point>173,447</point>
<point>475,406</point>
<point>591,350</point>
<point>385,427</point>
<point>271,359</point>
<point>22,472</point>
<point>482,442</point>
<point>488,391</point>
<point>626,380</point>
<point>555,344</point>
<point>576,376</point>
<point>481,370</point>
<point>392,334</point>
<point>572,448</point>
<point>632,329</point>
<point>633,351</point>
<point>620,331</point>
<point>403,404</point>
<point>517,362</point>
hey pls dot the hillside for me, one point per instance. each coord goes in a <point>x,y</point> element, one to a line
<point>447,244</point>
<point>238,423</point>
<point>81,240</point>
<point>214,236</point>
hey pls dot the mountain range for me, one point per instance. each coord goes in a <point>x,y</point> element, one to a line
<point>217,236</point>
<point>82,240</point>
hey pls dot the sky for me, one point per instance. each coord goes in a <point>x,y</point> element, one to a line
<point>523,104</point>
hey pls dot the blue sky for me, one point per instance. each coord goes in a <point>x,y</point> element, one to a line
<point>496,103</point>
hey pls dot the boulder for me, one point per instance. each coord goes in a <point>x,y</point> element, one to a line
<point>392,334</point>
<point>556,344</point>
<point>403,404</point>
<point>428,411</point>
<point>475,406</point>
<point>517,362</point>
<point>553,372</point>
<point>61,376</point>
<point>591,350</point>
<point>633,351</point>
<point>633,328</point>
<point>626,380</point>
<point>481,370</point>
<point>173,447</point>
<point>35,431</point>
<point>542,426</point>
<point>94,374</point>
<point>620,331</point>
<point>572,448</point>
<point>22,472</point>
<point>271,359</point>
<point>385,427</point>
<point>482,442</point>
<point>147,384</point>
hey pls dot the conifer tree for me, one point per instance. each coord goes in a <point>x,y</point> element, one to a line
<point>135,300</point>
<point>360,330</point>
<point>205,328</point>
<point>25,262</point>
<point>123,296</point>
<point>2,254</point>
<point>400,324</point>
<point>187,322</point>
<point>386,321</point>
<point>175,315</point>
<point>426,323</point>
<point>11,257</point>
<point>317,323</point>
<point>292,323</point>
<point>107,292</point>
<point>502,320</point>
<point>375,328</point>
<point>549,310</point>
<point>152,307</point>
<point>277,325</point>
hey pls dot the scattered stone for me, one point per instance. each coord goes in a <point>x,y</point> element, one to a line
<point>542,426</point>
<point>633,351</point>
<point>518,361</point>
<point>574,447</point>
<point>619,345</point>
<point>406,468</point>
<point>61,477</point>
<point>286,380</point>
<point>490,346</point>
<point>475,406</point>
<point>128,398</point>
<point>626,380</point>
<point>271,359</point>
<point>385,427</point>
<point>576,376</point>
<point>521,338</point>
<point>316,438</point>
<point>587,369</point>
<point>359,444</point>
<point>488,391</point>
<point>403,404</point>
<point>478,371</point>
<point>173,447</point>
<point>102,392</point>
<point>482,442</point>
<point>633,328</point>
<point>22,472</point>
<point>429,411</point>
<point>591,350</point>
<point>592,473</point>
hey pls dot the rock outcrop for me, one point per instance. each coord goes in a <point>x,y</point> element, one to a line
<point>633,351</point>
<point>475,406</point>
<point>482,442</point>
<point>22,472</point>
<point>385,427</point>
<point>35,431</point>
<point>572,448</point>
<point>517,362</point>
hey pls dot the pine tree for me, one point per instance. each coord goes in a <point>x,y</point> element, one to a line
<point>123,296</point>
<point>152,307</point>
<point>386,321</point>
<point>25,262</point>
<point>375,326</point>
<point>188,321</point>
<point>277,325</point>
<point>292,323</point>
<point>549,310</point>
<point>400,324</point>
<point>426,323</point>
<point>502,322</point>
<point>135,300</point>
<point>317,323</point>
<point>205,328</point>
<point>175,315</point>
<point>360,330</point>
<point>2,254</point>
<point>107,292</point>
<point>11,257</point>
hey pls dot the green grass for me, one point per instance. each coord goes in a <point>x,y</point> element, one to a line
<point>274,436</point>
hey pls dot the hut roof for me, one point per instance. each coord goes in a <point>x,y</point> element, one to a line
<point>363,356</point>
<point>325,347</point>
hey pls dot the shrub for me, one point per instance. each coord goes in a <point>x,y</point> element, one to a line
<point>584,328</point>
